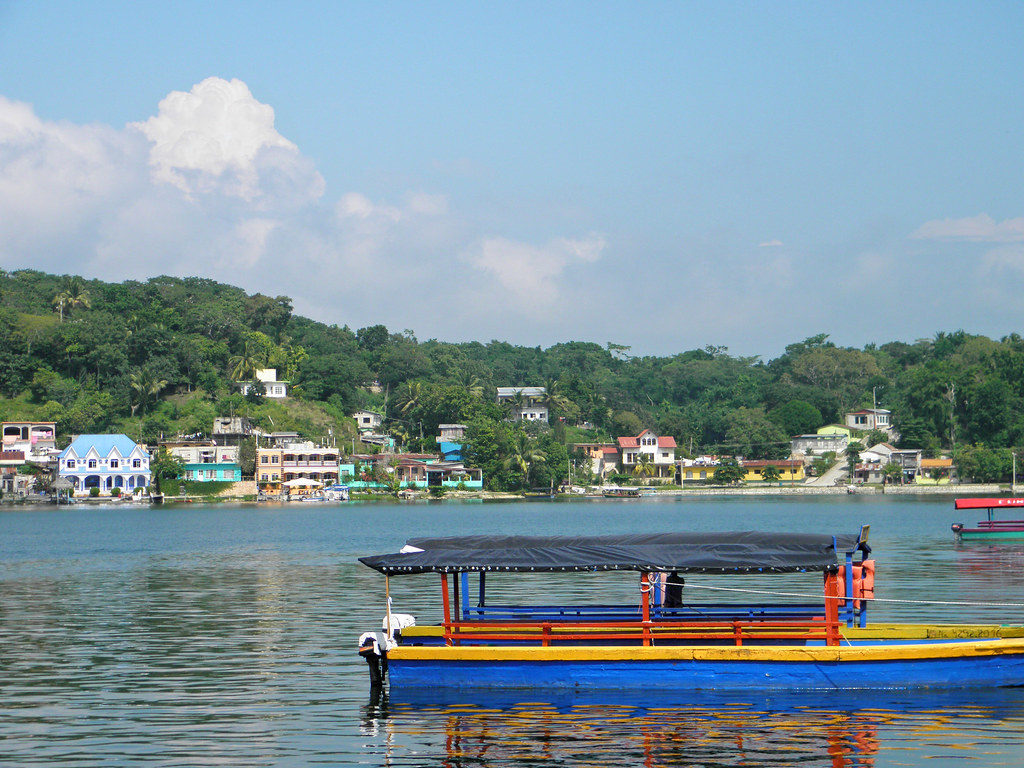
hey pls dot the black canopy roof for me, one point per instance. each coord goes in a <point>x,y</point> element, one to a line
<point>721,552</point>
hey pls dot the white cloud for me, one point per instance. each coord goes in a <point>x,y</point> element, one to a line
<point>208,187</point>
<point>1004,257</point>
<point>212,138</point>
<point>529,274</point>
<point>981,228</point>
<point>770,244</point>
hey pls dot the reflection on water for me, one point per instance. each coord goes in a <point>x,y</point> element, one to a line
<point>227,636</point>
<point>834,730</point>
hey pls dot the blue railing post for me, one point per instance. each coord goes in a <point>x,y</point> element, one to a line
<point>848,608</point>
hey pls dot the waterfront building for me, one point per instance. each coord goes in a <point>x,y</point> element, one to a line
<point>279,463</point>
<point>790,470</point>
<point>104,462</point>
<point>205,461</point>
<point>648,448</point>
<point>35,439</point>
<point>604,457</point>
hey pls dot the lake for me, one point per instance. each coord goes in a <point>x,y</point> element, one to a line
<point>225,635</point>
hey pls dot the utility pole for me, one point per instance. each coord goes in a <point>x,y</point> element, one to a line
<point>952,424</point>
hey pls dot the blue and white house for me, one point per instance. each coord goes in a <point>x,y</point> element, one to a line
<point>105,462</point>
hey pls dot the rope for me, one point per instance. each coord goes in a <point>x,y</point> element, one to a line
<point>847,597</point>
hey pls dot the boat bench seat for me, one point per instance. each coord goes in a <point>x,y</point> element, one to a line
<point>689,612</point>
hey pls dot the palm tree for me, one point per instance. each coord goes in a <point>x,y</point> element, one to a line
<point>245,365</point>
<point>514,405</point>
<point>553,399</point>
<point>145,385</point>
<point>73,295</point>
<point>471,384</point>
<point>644,466</point>
<point>523,456</point>
<point>409,396</point>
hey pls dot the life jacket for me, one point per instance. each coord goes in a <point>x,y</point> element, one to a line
<point>863,582</point>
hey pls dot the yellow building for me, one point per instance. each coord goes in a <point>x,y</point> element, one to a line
<point>790,470</point>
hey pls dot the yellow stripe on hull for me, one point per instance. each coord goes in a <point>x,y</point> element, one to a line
<point>890,652</point>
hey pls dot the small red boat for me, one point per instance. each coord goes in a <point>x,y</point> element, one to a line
<point>990,528</point>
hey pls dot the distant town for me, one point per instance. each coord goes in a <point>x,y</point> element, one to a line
<point>287,465</point>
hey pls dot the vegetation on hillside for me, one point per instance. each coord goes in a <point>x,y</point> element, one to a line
<point>161,358</point>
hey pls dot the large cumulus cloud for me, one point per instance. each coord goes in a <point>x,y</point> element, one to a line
<point>208,186</point>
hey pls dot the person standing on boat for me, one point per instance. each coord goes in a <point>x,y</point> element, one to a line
<point>674,590</point>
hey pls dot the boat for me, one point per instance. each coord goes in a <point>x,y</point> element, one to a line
<point>336,492</point>
<point>327,495</point>
<point>619,492</point>
<point>662,642</point>
<point>990,528</point>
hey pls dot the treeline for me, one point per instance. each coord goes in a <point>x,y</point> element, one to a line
<point>160,357</point>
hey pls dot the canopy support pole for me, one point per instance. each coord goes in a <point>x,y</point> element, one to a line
<point>832,607</point>
<point>387,605</point>
<point>447,607</point>
<point>645,606</point>
<point>456,585</point>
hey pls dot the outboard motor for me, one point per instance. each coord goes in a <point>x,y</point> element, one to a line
<point>374,646</point>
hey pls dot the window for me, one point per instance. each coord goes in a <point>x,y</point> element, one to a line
<point>273,459</point>
<point>703,474</point>
<point>92,463</point>
<point>70,464</point>
<point>211,474</point>
<point>114,464</point>
<point>136,463</point>
<point>263,459</point>
<point>664,454</point>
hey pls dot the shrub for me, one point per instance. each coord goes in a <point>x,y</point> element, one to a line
<point>94,492</point>
<point>115,492</point>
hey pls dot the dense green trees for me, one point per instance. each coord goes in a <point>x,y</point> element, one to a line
<point>163,356</point>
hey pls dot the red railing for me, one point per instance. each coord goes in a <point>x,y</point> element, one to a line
<point>647,633</point>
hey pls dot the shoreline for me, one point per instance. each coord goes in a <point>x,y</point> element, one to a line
<point>965,489</point>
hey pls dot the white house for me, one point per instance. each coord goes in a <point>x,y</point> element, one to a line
<point>267,377</point>
<point>104,462</point>
<point>808,445</point>
<point>33,438</point>
<point>367,421</point>
<point>649,447</point>
<point>871,418</point>
<point>528,402</point>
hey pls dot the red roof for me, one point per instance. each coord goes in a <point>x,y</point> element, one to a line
<point>634,442</point>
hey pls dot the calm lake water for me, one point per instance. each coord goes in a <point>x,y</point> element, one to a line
<point>226,636</point>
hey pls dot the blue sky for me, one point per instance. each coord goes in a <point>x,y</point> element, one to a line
<point>663,175</point>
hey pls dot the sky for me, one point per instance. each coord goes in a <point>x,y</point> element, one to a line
<point>659,175</point>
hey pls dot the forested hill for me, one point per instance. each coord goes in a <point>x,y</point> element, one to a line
<point>159,358</point>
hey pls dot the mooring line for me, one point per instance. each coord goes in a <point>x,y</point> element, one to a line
<point>849,597</point>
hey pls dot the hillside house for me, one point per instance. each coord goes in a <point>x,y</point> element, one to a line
<point>268,378</point>
<point>526,403</point>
